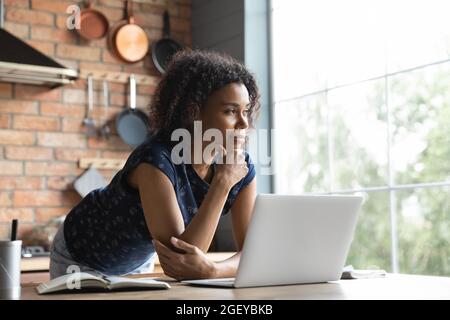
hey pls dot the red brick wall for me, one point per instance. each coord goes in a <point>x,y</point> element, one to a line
<point>41,133</point>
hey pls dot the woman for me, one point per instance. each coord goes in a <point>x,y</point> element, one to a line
<point>158,204</point>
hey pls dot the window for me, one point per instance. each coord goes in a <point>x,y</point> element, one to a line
<point>362,88</point>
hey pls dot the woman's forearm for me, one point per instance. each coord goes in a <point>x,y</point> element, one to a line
<point>201,229</point>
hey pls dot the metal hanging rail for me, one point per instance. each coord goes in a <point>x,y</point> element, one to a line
<point>121,77</point>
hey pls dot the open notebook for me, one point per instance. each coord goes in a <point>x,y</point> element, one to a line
<point>79,281</point>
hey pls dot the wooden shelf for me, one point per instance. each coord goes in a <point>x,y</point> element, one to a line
<point>101,163</point>
<point>157,2</point>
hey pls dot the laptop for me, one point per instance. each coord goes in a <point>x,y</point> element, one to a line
<point>294,239</point>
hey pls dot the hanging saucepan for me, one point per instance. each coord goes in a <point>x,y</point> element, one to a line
<point>130,40</point>
<point>165,48</point>
<point>132,123</point>
<point>93,23</point>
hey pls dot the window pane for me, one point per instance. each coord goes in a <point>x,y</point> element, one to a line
<point>301,146</point>
<point>419,103</point>
<point>298,56</point>
<point>319,44</point>
<point>354,39</point>
<point>418,33</point>
<point>371,246</point>
<point>424,230</point>
<point>359,135</point>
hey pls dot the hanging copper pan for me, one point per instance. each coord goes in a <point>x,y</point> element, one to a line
<point>93,23</point>
<point>112,34</point>
<point>130,40</point>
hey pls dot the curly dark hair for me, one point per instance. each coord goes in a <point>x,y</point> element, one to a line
<point>192,75</point>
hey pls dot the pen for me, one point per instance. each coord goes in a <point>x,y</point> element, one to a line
<point>14,230</point>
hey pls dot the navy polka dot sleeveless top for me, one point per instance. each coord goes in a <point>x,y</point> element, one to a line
<point>107,230</point>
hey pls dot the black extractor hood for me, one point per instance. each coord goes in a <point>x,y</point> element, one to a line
<point>21,63</point>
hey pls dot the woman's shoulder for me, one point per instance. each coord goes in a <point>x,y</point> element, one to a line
<point>152,149</point>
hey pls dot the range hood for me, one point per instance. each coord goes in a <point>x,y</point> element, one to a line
<point>21,63</point>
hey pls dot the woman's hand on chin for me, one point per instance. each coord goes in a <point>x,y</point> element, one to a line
<point>231,168</point>
<point>192,264</point>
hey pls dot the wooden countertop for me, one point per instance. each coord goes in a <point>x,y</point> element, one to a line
<point>393,286</point>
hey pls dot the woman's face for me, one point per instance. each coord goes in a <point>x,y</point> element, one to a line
<point>226,109</point>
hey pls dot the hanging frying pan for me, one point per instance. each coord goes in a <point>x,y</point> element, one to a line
<point>130,40</point>
<point>165,48</point>
<point>93,23</point>
<point>132,123</point>
<point>112,33</point>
